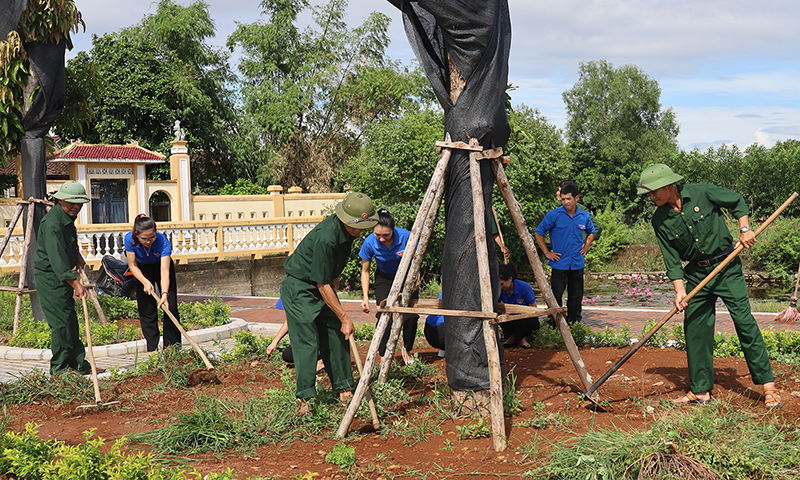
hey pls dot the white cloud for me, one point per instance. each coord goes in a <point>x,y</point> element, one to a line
<point>719,62</point>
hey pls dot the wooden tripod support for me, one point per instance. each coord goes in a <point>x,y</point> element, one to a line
<point>398,300</point>
<point>20,289</point>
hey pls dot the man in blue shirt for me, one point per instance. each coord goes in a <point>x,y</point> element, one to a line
<point>567,226</point>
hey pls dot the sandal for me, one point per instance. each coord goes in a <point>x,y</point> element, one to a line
<point>771,395</point>
<point>304,409</point>
<point>691,399</point>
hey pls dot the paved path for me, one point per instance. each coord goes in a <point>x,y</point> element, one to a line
<point>259,315</point>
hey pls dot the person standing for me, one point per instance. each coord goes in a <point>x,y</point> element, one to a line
<point>690,227</point>
<point>517,292</point>
<point>149,256</point>
<point>386,244</point>
<point>316,320</point>
<point>567,226</point>
<point>56,255</point>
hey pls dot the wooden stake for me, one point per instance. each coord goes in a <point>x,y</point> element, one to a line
<point>11,226</point>
<point>376,424</point>
<point>487,304</point>
<point>538,270</point>
<point>93,296</point>
<point>23,265</point>
<point>411,279</point>
<point>427,201</point>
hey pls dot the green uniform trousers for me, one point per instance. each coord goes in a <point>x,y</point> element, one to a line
<point>699,319</point>
<point>58,305</point>
<point>313,328</point>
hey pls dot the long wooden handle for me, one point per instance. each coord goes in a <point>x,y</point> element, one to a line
<point>90,352</point>
<point>376,424</point>
<point>668,315</point>
<point>183,332</point>
<point>93,295</point>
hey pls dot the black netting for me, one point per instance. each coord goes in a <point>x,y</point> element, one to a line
<point>476,35</point>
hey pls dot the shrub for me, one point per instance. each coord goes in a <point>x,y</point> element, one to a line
<point>615,236</point>
<point>778,249</point>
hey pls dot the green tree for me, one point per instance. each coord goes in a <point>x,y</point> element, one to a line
<point>539,160</point>
<point>394,168</point>
<point>616,126</point>
<point>308,95</point>
<point>155,72</point>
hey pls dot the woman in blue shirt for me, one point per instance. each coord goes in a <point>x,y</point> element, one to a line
<point>386,244</point>
<point>519,293</point>
<point>150,262</point>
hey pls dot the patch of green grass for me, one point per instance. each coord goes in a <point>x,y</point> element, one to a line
<point>175,363</point>
<point>715,440</point>
<point>66,387</point>
<point>512,404</point>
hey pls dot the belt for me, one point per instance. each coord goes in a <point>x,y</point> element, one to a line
<point>715,259</point>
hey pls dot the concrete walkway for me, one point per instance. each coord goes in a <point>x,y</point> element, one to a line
<point>259,315</point>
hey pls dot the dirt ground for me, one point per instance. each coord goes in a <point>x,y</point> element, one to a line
<point>635,395</point>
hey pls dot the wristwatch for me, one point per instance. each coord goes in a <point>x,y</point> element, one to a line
<point>745,229</point>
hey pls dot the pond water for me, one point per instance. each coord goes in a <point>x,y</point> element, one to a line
<point>642,290</point>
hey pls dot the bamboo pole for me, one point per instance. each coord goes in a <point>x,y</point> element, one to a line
<point>487,305</point>
<point>93,296</point>
<point>23,265</point>
<point>411,279</point>
<point>538,270</point>
<point>20,207</point>
<point>427,201</point>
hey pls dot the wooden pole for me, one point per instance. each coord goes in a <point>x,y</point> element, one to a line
<point>20,207</point>
<point>538,270</point>
<point>376,424</point>
<point>487,305</point>
<point>427,201</point>
<point>95,300</point>
<point>23,265</point>
<point>411,279</point>
<point>90,351</point>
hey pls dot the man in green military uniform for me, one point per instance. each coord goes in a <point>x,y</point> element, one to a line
<point>316,320</point>
<point>690,227</point>
<point>56,255</point>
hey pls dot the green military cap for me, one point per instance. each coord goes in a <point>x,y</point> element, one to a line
<point>357,211</point>
<point>655,177</point>
<point>72,192</point>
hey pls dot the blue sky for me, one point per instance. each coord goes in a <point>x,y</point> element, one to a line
<point>729,68</point>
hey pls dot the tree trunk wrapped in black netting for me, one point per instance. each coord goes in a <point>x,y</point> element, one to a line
<point>475,37</point>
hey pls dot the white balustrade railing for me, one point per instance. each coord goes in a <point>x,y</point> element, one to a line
<point>212,240</point>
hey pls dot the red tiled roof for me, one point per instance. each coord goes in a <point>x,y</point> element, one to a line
<point>79,152</point>
<point>53,168</point>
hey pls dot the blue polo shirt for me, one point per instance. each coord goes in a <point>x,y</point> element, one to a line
<point>522,294</point>
<point>148,256</point>
<point>387,259</point>
<point>566,236</point>
<point>435,320</point>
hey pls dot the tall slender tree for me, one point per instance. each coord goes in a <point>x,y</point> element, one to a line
<point>616,125</point>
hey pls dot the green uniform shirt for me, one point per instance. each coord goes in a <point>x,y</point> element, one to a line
<point>698,231</point>
<point>57,245</point>
<point>322,254</point>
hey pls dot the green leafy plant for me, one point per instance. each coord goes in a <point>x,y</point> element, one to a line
<point>342,455</point>
<point>512,404</point>
<point>13,77</point>
<point>479,429</point>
